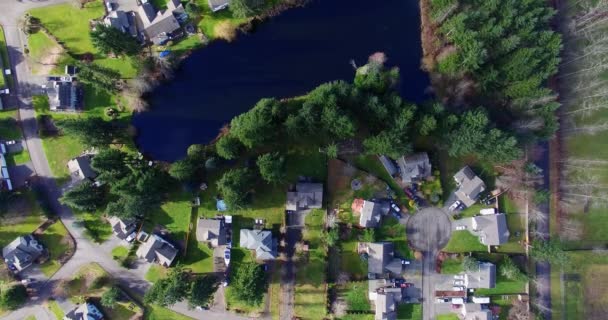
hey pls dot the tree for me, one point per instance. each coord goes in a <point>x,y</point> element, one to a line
<point>109,298</point>
<point>168,291</point>
<point>249,283</point>
<point>202,290</point>
<point>92,131</point>
<point>369,235</point>
<point>110,164</point>
<point>332,151</point>
<point>332,237</point>
<point>98,76</point>
<point>550,251</point>
<point>13,297</point>
<point>259,125</point>
<point>244,8</point>
<point>84,196</point>
<point>509,270</point>
<point>109,39</point>
<point>470,264</point>
<point>185,170</point>
<point>388,143</point>
<point>192,9</point>
<point>234,186</point>
<point>272,167</point>
<point>228,147</point>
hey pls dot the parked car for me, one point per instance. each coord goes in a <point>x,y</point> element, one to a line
<point>131,237</point>
<point>461,228</point>
<point>10,142</point>
<point>458,288</point>
<point>405,262</point>
<point>442,300</point>
<point>227,256</point>
<point>459,282</point>
<point>455,205</point>
<point>395,207</point>
<point>487,211</point>
<point>459,276</point>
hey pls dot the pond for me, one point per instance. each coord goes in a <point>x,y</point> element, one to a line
<point>286,56</point>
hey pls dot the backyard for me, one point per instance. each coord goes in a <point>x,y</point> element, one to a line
<point>310,291</point>
<point>4,81</point>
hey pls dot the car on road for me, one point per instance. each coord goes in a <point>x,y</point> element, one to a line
<point>455,205</point>
<point>461,228</point>
<point>459,276</point>
<point>459,282</point>
<point>458,288</point>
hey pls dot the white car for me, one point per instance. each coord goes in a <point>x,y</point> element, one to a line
<point>459,276</point>
<point>131,237</point>
<point>454,205</point>
<point>442,300</point>
<point>459,282</point>
<point>461,227</point>
<point>457,288</point>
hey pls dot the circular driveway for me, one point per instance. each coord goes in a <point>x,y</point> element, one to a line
<point>429,230</point>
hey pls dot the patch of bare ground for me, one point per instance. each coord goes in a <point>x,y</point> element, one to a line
<point>48,61</point>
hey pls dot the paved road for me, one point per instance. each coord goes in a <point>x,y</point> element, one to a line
<point>428,231</point>
<point>86,252</point>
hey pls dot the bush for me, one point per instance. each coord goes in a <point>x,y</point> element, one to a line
<point>13,297</point>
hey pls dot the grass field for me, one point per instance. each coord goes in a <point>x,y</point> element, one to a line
<point>4,80</point>
<point>155,312</point>
<point>355,294</point>
<point>56,309</point>
<point>71,26</point>
<point>155,273</point>
<point>464,241</point>
<point>55,238</point>
<point>392,231</point>
<point>45,55</point>
<point>350,262</point>
<point>9,127</point>
<point>451,266</point>
<point>409,311</point>
<point>310,290</point>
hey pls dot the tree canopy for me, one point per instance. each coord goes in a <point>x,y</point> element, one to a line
<point>85,196</point>
<point>110,297</point>
<point>170,290</point>
<point>92,131</point>
<point>249,283</point>
<point>272,167</point>
<point>13,297</point>
<point>234,187</point>
<point>202,290</point>
<point>111,40</point>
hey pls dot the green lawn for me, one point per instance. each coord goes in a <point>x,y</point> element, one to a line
<point>56,309</point>
<point>10,230</point>
<point>409,311</point>
<point>504,286</point>
<point>44,50</point>
<point>154,312</point>
<point>210,20</point>
<point>15,159</point>
<point>4,80</point>
<point>464,241</point>
<point>155,273</point>
<point>71,26</point>
<point>451,266</point>
<point>97,229</point>
<point>9,127</point>
<point>355,294</point>
<point>516,224</point>
<point>55,238</point>
<point>350,261</point>
<point>310,291</point>
<point>447,316</point>
<point>120,252</point>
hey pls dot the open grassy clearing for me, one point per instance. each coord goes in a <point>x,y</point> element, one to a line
<point>355,294</point>
<point>155,312</point>
<point>350,261</point>
<point>45,55</point>
<point>56,309</point>
<point>310,290</point>
<point>452,266</point>
<point>56,239</point>
<point>156,272</point>
<point>464,241</point>
<point>71,26</point>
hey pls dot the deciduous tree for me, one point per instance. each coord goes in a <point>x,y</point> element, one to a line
<point>249,283</point>
<point>272,167</point>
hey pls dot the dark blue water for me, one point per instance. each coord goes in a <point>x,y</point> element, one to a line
<point>286,56</point>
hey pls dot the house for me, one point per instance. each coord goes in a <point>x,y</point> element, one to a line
<point>415,167</point>
<point>85,311</point>
<point>123,21</point>
<point>65,94</point>
<point>386,303</point>
<point>80,168</point>
<point>261,242</point>
<point>5,179</point>
<point>307,196</point>
<point>370,214</point>
<point>381,260</point>
<point>157,249</point>
<point>469,186</point>
<point>491,229</point>
<point>212,231</point>
<point>482,278</point>
<point>22,252</point>
<point>160,26</point>
<point>122,228</point>
<point>217,5</point>
<point>388,164</point>
<point>475,311</point>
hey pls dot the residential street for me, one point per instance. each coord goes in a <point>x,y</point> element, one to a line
<point>85,251</point>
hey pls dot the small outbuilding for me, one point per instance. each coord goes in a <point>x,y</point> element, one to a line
<point>211,231</point>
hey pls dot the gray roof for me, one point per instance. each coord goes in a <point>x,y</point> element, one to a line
<point>80,167</point>
<point>415,167</point>
<point>211,230</point>
<point>157,249</point>
<point>307,196</point>
<point>478,315</point>
<point>65,95</point>
<point>484,277</point>
<point>122,21</point>
<point>22,251</point>
<point>86,311</point>
<point>122,228</point>
<point>381,258</point>
<point>469,186</point>
<point>158,24</point>
<point>386,303</point>
<point>217,5</point>
<point>261,241</point>
<point>491,229</point>
<point>388,164</point>
<point>370,214</point>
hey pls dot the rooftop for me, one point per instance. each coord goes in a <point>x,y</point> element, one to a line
<point>261,242</point>
<point>469,186</point>
<point>415,167</point>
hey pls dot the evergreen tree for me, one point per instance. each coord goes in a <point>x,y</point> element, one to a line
<point>108,39</point>
<point>228,147</point>
<point>13,297</point>
<point>84,196</point>
<point>92,131</point>
<point>202,290</point>
<point>272,167</point>
<point>110,297</point>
